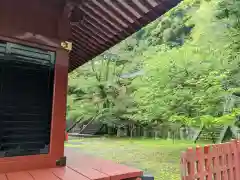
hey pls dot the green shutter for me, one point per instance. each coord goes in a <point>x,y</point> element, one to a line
<point>25,53</point>
<point>3,47</point>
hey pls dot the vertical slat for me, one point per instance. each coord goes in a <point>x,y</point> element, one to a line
<point>190,163</point>
<point>200,163</point>
<point>208,162</point>
<point>236,159</point>
<point>230,165</point>
<point>183,168</point>
<point>222,161</point>
<point>216,162</point>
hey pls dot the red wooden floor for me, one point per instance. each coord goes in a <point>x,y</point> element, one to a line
<point>79,167</point>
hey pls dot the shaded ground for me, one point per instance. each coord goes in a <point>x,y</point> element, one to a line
<point>157,157</point>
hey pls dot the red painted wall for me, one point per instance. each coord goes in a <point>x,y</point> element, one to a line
<point>48,18</point>
<point>38,23</point>
<point>36,16</point>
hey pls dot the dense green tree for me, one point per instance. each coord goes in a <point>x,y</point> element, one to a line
<point>183,68</point>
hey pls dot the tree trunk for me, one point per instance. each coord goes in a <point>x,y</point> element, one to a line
<point>119,132</point>
<point>135,131</point>
<point>125,131</point>
<point>169,135</point>
<point>151,133</point>
<point>156,134</point>
<point>145,133</point>
<point>138,131</point>
<point>132,131</point>
<point>173,137</point>
<point>109,130</point>
<point>182,133</point>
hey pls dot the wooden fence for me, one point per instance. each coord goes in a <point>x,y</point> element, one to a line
<point>212,162</point>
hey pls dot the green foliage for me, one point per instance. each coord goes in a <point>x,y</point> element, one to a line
<point>190,63</point>
<point>101,94</point>
<point>168,35</point>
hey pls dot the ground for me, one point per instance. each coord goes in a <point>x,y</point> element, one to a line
<point>157,157</point>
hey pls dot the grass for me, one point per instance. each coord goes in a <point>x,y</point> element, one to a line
<point>158,157</point>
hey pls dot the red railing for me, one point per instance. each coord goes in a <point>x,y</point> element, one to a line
<point>212,162</point>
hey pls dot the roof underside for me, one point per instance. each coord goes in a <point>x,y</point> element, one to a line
<point>99,25</point>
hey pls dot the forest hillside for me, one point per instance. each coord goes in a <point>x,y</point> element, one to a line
<point>183,67</point>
